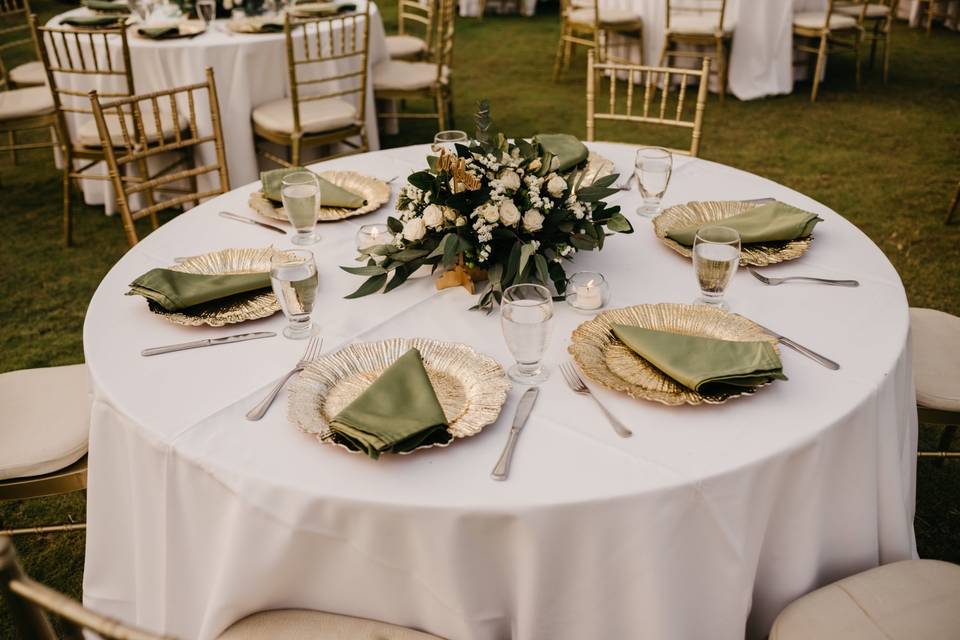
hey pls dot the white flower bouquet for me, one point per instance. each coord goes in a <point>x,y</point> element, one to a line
<point>515,210</point>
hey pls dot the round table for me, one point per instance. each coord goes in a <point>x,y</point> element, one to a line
<point>704,524</point>
<point>249,69</point>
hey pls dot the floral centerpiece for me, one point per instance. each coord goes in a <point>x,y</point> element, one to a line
<point>514,210</point>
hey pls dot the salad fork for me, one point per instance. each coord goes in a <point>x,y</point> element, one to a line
<point>314,348</point>
<point>775,281</point>
<point>577,385</point>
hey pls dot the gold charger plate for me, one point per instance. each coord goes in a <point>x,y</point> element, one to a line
<point>470,386</point>
<point>715,211</point>
<point>238,308</point>
<point>605,360</point>
<point>375,192</point>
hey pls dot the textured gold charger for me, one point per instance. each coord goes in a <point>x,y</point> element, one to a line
<point>605,360</point>
<point>375,192</point>
<point>239,308</point>
<point>470,386</point>
<point>715,211</point>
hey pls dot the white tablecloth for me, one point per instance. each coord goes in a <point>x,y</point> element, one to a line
<point>250,70</point>
<point>952,8</point>
<point>704,524</point>
<point>471,8</point>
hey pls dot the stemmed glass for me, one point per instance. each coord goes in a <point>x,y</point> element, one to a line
<point>300,192</point>
<point>448,140</point>
<point>207,11</point>
<point>716,254</point>
<point>293,275</point>
<point>143,9</point>
<point>525,314</point>
<point>653,167</point>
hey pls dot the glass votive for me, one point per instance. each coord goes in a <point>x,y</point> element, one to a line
<point>587,291</point>
<point>370,235</point>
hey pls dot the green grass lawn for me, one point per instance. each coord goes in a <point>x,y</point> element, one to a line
<point>885,157</point>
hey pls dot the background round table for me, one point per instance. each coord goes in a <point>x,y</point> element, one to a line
<point>704,524</point>
<point>249,69</point>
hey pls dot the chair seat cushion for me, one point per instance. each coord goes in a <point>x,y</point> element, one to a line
<point>873,10</point>
<point>23,103</point>
<point>89,136</point>
<point>404,46</point>
<point>329,114</point>
<point>705,24</point>
<point>301,624</point>
<point>817,19</point>
<point>27,74</point>
<point>607,15</point>
<point>399,75</point>
<point>936,358</point>
<point>46,420</point>
<point>913,599</point>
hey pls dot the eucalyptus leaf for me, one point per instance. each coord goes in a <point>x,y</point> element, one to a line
<point>526,251</point>
<point>371,285</point>
<point>617,222</point>
<point>513,266</point>
<point>541,263</point>
<point>605,181</point>
<point>442,246</point>
<point>406,255</point>
<point>450,250</point>
<point>369,270</point>
<point>394,225</point>
<point>399,277</point>
<point>423,180</point>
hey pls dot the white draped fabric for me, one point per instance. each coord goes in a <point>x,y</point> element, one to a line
<point>250,70</point>
<point>472,8</point>
<point>952,8</point>
<point>704,524</point>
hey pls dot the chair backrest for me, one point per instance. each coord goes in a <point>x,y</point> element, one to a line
<point>76,59</point>
<point>29,601</point>
<point>13,22</point>
<point>417,19</point>
<point>327,58</point>
<point>642,84</point>
<point>136,129</point>
<point>443,49</point>
<point>833,5</point>
<point>714,9</point>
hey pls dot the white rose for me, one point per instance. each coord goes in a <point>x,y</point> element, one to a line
<point>461,221</point>
<point>489,213</point>
<point>449,214</point>
<point>510,179</point>
<point>536,164</point>
<point>509,214</point>
<point>532,220</point>
<point>556,186</point>
<point>433,216</point>
<point>414,229</point>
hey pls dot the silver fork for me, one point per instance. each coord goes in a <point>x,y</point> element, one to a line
<point>312,353</point>
<point>576,383</point>
<point>775,281</point>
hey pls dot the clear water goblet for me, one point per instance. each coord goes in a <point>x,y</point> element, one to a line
<point>293,276</point>
<point>716,255</point>
<point>449,140</point>
<point>653,167</point>
<point>300,192</point>
<point>526,311</point>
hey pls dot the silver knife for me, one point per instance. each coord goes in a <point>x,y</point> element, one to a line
<point>233,216</point>
<point>502,470</point>
<point>209,342</point>
<point>799,348</point>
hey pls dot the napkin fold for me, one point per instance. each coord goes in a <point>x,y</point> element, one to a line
<point>568,150</point>
<point>92,21</point>
<point>160,33</point>
<point>706,365</point>
<point>177,290</point>
<point>120,6</point>
<point>323,8</point>
<point>330,194</point>
<point>398,412</point>
<point>265,25</point>
<point>773,222</point>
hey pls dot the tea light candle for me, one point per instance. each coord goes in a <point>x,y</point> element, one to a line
<point>588,290</point>
<point>370,235</point>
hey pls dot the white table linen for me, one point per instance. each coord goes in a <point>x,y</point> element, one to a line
<point>952,8</point>
<point>472,8</point>
<point>249,69</point>
<point>704,524</point>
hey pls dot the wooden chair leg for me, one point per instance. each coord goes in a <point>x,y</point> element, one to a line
<point>295,152</point>
<point>856,54</point>
<point>821,61</point>
<point>194,187</point>
<point>721,63</point>
<point>558,62</point>
<point>441,110</point>
<point>12,142</point>
<point>67,213</point>
<point>886,54</point>
<point>946,438</point>
<point>148,194</point>
<point>953,206</point>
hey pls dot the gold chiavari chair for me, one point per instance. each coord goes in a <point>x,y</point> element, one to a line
<point>13,22</point>
<point>585,24</point>
<point>878,17</point>
<point>128,132</point>
<point>935,339</point>
<point>934,10</point>
<point>702,24</point>
<point>414,35</point>
<point>30,109</point>
<point>642,85</point>
<point>399,80</point>
<point>952,209</point>
<point>74,57</point>
<point>831,31</point>
<point>327,104</point>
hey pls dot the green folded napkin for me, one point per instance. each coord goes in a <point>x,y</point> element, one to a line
<point>398,412</point>
<point>266,26</point>
<point>323,8</point>
<point>176,290</point>
<point>107,5</point>
<point>707,365</point>
<point>566,148</point>
<point>774,222</point>
<point>160,33</point>
<point>92,21</point>
<point>330,194</point>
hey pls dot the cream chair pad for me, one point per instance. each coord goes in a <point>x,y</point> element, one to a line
<point>816,20</point>
<point>405,76</point>
<point>23,103</point>
<point>936,358</point>
<point>608,15</point>
<point>315,115</point>
<point>301,624</point>
<point>404,46</point>
<point>873,10</point>
<point>29,73</point>
<point>705,24</point>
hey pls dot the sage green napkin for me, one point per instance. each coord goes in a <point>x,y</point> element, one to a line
<point>160,33</point>
<point>707,365</point>
<point>330,194</point>
<point>773,222</point>
<point>92,21</point>
<point>176,290</point>
<point>266,26</point>
<point>566,148</point>
<point>398,412</point>
<point>107,5</point>
<point>324,8</point>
